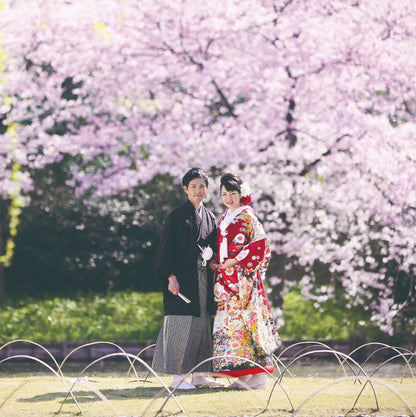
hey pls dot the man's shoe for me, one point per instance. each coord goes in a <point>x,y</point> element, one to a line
<point>179,382</point>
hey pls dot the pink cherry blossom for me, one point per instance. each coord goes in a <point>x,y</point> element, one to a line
<point>314,103</point>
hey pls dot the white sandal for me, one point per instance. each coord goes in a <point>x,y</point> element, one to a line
<point>241,382</point>
<point>259,381</point>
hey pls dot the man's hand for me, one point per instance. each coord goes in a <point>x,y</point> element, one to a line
<point>173,286</point>
<point>213,264</point>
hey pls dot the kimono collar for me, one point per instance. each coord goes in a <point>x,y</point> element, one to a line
<point>226,221</point>
<point>229,217</point>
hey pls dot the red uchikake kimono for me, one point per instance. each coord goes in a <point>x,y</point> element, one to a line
<point>243,324</point>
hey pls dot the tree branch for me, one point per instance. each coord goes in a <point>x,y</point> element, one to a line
<point>224,99</point>
<point>310,166</point>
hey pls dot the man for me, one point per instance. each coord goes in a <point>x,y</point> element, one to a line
<point>185,338</point>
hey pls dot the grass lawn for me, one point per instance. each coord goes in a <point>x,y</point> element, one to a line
<point>42,395</point>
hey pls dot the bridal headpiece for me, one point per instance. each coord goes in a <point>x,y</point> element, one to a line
<point>245,193</point>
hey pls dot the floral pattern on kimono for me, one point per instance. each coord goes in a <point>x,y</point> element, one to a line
<point>243,307</point>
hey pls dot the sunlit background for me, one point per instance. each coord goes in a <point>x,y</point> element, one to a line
<point>105,104</point>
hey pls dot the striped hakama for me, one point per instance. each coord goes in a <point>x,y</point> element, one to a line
<point>185,341</point>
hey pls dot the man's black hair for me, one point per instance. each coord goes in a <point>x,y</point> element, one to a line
<point>192,174</point>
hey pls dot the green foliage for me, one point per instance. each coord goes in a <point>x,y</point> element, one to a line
<point>15,206</point>
<point>117,316</point>
<point>138,316</point>
<point>68,244</point>
<point>304,319</point>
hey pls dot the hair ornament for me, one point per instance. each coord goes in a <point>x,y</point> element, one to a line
<point>245,193</point>
<point>245,190</point>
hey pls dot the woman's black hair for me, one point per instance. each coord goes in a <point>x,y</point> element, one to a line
<point>231,182</point>
<point>192,174</point>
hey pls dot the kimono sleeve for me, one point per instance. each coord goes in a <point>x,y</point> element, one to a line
<point>256,254</point>
<point>165,261</point>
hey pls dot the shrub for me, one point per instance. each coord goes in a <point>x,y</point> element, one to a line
<point>117,316</point>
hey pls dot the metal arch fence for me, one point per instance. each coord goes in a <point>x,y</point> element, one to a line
<point>283,363</point>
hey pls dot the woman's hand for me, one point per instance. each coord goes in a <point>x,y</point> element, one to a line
<point>229,263</point>
<point>173,285</point>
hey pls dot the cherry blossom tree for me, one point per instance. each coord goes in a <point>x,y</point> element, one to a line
<point>312,102</point>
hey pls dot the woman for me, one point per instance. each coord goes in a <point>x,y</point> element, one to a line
<point>243,325</point>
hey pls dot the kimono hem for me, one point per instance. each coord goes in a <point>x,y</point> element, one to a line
<point>243,324</point>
